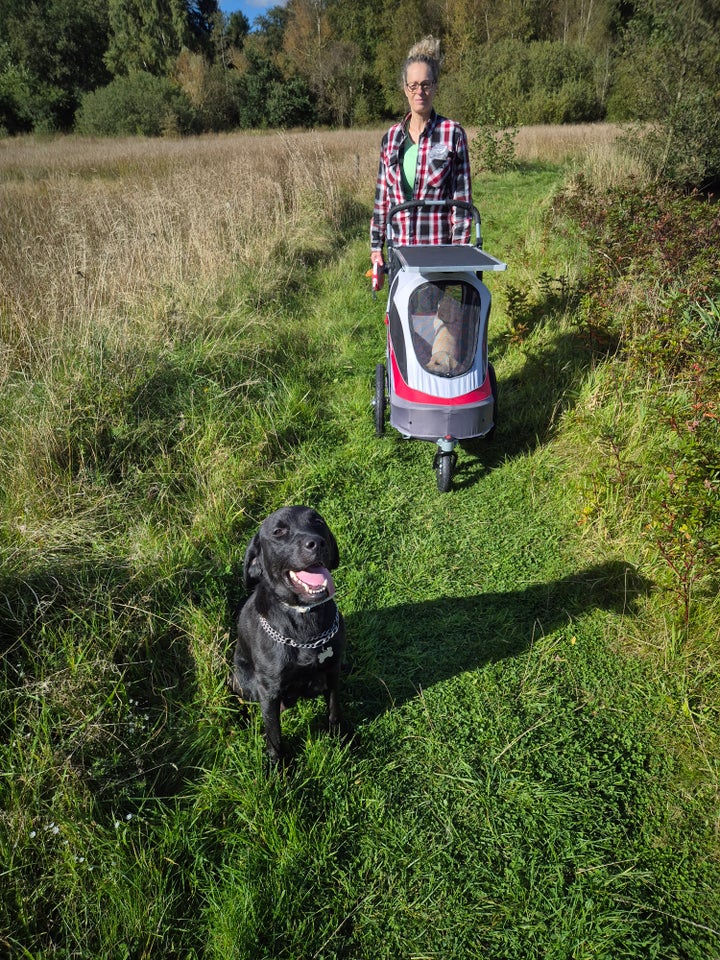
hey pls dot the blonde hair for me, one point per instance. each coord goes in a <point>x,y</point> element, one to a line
<point>425,51</point>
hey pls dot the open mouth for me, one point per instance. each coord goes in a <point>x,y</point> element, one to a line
<point>315,583</point>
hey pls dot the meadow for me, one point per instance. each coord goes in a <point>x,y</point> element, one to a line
<point>187,341</point>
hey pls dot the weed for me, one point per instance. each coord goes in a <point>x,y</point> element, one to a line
<point>493,147</point>
<point>668,245</point>
<point>554,297</point>
<point>518,312</point>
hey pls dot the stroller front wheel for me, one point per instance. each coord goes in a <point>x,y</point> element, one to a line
<point>444,465</point>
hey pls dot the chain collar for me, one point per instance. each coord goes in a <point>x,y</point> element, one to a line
<point>321,640</point>
<point>296,608</point>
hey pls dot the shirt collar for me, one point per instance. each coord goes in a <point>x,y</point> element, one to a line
<point>429,126</point>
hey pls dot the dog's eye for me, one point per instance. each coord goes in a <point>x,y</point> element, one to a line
<point>280,532</point>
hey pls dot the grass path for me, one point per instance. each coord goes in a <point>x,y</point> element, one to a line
<point>504,799</point>
<point>510,794</point>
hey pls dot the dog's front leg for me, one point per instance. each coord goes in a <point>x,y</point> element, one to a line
<point>271,720</point>
<point>332,698</point>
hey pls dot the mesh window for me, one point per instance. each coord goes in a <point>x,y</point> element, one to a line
<point>444,323</point>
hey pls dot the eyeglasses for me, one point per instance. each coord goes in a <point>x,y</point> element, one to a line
<point>414,87</point>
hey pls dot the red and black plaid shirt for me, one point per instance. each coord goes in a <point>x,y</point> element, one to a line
<point>442,173</point>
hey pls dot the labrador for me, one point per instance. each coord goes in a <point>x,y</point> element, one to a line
<point>290,633</point>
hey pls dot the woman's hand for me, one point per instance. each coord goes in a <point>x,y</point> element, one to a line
<point>378,269</point>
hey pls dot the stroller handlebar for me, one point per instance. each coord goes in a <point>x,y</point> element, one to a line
<point>448,204</point>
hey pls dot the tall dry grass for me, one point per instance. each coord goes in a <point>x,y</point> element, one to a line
<point>91,231</point>
<point>560,144</point>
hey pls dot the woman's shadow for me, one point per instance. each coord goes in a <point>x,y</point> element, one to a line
<point>530,402</point>
<point>396,651</point>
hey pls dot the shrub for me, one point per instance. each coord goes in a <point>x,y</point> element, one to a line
<point>653,279</point>
<point>543,82</point>
<point>211,90</point>
<point>25,102</point>
<point>289,104</point>
<point>493,147</point>
<point>683,148</point>
<point>137,104</point>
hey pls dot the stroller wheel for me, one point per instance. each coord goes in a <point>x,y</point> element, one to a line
<point>379,400</point>
<point>444,465</point>
<point>493,386</point>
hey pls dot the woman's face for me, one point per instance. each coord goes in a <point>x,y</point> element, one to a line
<point>420,99</point>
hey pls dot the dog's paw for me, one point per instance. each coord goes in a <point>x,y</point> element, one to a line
<point>278,758</point>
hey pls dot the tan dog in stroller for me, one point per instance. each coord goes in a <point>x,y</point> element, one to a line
<point>448,330</point>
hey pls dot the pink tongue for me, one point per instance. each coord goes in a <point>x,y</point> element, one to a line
<point>316,577</point>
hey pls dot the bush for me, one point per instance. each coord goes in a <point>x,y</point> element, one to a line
<point>653,282</point>
<point>136,104</point>
<point>493,147</point>
<point>25,103</point>
<point>683,148</point>
<point>289,104</point>
<point>210,88</point>
<point>542,82</point>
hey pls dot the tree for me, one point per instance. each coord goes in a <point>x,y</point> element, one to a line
<point>57,46</point>
<point>328,64</point>
<point>201,16</point>
<point>669,75</point>
<point>149,34</point>
<point>357,27</point>
<point>270,30</point>
<point>237,27</point>
<point>16,95</point>
<point>402,25</point>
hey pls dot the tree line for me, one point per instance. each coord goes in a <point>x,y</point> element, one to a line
<point>164,66</point>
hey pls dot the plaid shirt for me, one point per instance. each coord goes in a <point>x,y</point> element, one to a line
<point>442,173</point>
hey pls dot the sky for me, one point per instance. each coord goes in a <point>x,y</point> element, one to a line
<point>251,8</point>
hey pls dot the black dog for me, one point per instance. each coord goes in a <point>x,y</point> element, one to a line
<point>290,634</point>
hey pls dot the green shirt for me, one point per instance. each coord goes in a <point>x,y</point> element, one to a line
<point>409,164</point>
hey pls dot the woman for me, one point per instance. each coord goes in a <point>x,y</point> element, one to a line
<point>425,157</point>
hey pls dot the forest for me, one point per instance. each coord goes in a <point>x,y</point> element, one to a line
<point>177,67</point>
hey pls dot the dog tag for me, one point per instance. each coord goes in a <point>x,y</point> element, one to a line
<point>325,655</point>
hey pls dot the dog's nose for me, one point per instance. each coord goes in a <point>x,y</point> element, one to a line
<point>314,542</point>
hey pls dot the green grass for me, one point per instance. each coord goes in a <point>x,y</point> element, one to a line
<point>523,783</point>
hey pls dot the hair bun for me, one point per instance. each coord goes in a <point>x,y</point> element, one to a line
<point>428,47</point>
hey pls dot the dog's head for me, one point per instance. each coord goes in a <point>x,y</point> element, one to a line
<point>293,553</point>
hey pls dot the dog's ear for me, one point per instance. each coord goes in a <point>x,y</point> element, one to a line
<point>333,549</point>
<point>252,567</point>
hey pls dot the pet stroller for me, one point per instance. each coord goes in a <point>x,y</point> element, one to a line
<point>437,382</point>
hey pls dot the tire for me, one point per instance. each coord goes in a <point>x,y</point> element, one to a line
<point>493,387</point>
<point>444,469</point>
<point>379,400</point>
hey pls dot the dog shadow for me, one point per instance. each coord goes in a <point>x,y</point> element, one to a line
<point>396,651</point>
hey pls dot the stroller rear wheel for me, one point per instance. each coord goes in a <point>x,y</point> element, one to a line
<point>444,464</point>
<point>493,387</point>
<point>379,400</point>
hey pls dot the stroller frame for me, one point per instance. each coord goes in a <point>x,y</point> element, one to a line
<point>436,381</point>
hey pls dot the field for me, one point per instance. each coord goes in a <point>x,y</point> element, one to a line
<point>187,341</point>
